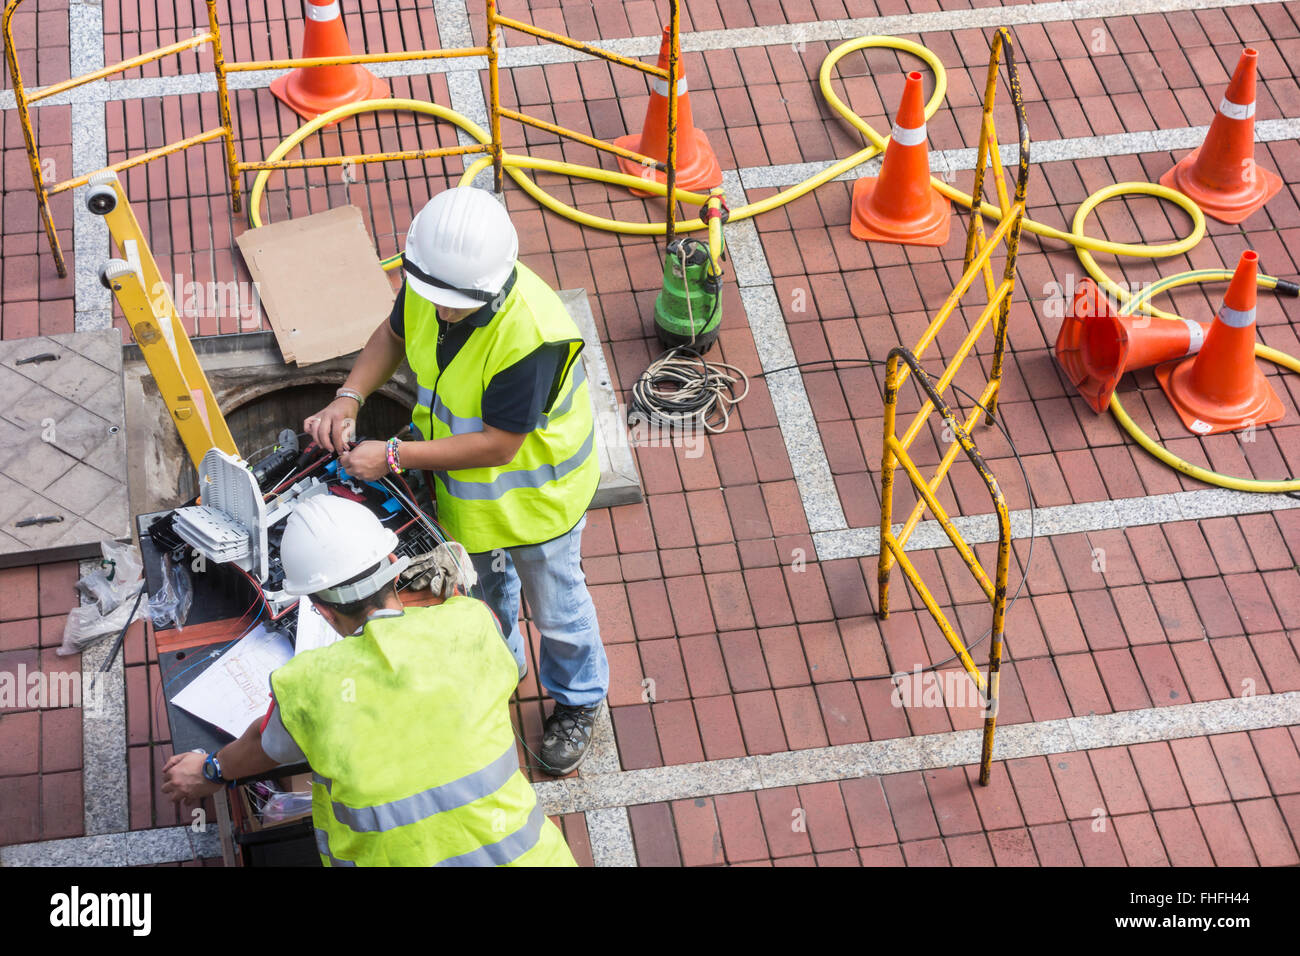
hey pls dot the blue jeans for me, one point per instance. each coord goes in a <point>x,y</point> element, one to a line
<point>573,664</point>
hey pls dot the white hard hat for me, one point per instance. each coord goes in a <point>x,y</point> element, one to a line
<point>328,540</point>
<point>460,249</point>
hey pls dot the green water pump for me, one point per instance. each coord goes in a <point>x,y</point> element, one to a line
<point>689,309</point>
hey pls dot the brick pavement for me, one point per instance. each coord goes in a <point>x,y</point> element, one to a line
<point>727,637</point>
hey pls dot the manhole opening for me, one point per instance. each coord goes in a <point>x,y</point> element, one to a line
<point>256,423</point>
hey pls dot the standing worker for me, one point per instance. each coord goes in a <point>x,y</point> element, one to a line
<point>505,412</point>
<point>405,722</point>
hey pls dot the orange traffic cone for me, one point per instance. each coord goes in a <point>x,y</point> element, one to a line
<point>1096,345</point>
<point>1221,176</point>
<point>697,166</point>
<point>900,205</point>
<point>312,90</point>
<point>1222,389</point>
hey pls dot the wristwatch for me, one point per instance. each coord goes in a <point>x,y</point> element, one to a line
<point>350,393</point>
<point>212,769</point>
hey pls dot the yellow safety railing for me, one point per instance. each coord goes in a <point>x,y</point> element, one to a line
<point>669,75</point>
<point>25,98</point>
<point>902,362</point>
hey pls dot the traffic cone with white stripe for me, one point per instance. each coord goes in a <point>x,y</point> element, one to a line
<point>1223,389</point>
<point>1097,345</point>
<point>697,165</point>
<point>901,205</point>
<point>1221,176</point>
<point>312,90</point>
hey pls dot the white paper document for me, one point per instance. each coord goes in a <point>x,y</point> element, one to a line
<point>235,690</point>
<point>313,630</point>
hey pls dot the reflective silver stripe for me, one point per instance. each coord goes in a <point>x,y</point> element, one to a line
<point>908,137</point>
<point>661,86</point>
<point>579,376</point>
<point>1237,111</point>
<point>322,14</point>
<point>510,480</point>
<point>323,845</point>
<point>458,425</point>
<point>1235,318</point>
<point>427,803</point>
<point>1195,336</point>
<point>506,850</point>
<point>463,425</point>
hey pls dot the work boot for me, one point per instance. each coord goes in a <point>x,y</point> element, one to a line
<point>566,738</point>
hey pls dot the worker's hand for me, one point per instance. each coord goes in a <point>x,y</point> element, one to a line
<point>367,461</point>
<point>183,778</point>
<point>334,426</point>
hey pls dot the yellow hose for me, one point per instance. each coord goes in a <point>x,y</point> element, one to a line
<point>1284,486</point>
<point>1084,244</point>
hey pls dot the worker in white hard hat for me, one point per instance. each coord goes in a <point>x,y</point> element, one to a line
<point>505,415</point>
<point>405,722</point>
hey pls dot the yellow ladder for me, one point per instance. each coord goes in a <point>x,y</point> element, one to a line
<point>151,314</point>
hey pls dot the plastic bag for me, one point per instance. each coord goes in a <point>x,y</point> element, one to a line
<point>86,625</point>
<point>116,579</point>
<point>284,806</point>
<point>171,605</point>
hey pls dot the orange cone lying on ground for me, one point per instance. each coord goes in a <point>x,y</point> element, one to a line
<point>1221,176</point>
<point>1096,345</point>
<point>312,90</point>
<point>900,205</point>
<point>697,166</point>
<point>1223,389</point>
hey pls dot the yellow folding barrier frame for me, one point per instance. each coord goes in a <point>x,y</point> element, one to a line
<point>24,99</point>
<point>903,362</point>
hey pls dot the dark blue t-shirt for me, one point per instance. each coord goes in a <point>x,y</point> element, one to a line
<point>516,397</point>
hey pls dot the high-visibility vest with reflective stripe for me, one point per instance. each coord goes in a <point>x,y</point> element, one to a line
<point>545,490</point>
<point>407,730</point>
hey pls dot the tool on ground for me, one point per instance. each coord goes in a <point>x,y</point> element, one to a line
<point>900,205</point>
<point>1221,175</point>
<point>697,165</point>
<point>1097,345</point>
<point>150,312</point>
<point>312,90</point>
<point>1222,387</point>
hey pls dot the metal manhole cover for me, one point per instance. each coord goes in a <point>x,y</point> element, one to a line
<point>62,446</point>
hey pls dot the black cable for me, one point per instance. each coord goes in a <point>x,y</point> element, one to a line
<point>1033,511</point>
<point>121,635</point>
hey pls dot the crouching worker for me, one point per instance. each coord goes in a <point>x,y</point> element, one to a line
<point>405,722</point>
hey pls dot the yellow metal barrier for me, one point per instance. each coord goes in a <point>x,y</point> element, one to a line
<point>23,99</point>
<point>902,362</point>
<point>670,75</point>
<point>151,313</point>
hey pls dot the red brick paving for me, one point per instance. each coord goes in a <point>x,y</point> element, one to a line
<point>1029,816</point>
<point>695,589</point>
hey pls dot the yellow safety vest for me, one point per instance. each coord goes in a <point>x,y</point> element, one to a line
<point>407,730</point>
<point>545,490</point>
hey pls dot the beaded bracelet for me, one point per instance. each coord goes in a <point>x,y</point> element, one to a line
<point>394,464</point>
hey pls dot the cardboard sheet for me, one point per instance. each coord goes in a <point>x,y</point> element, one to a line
<point>320,281</point>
